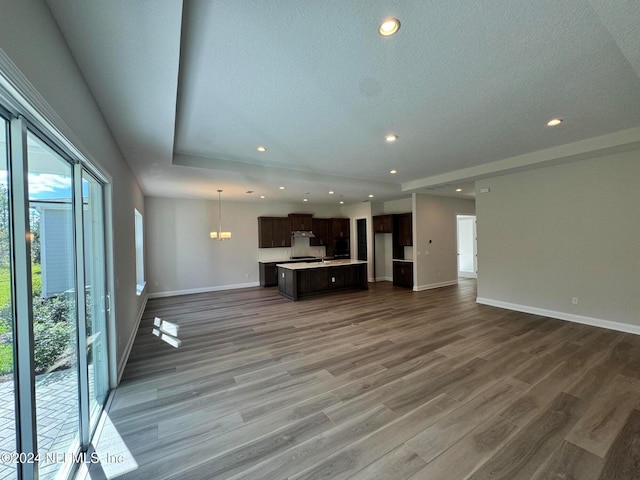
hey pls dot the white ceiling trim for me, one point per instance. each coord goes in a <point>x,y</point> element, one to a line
<point>278,172</point>
<point>611,143</point>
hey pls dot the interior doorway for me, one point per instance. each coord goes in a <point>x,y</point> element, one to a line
<point>361,227</point>
<point>467,246</point>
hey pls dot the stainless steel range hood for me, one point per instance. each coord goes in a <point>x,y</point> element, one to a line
<point>302,234</point>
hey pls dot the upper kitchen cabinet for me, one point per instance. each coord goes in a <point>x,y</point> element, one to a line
<point>340,227</point>
<point>301,221</point>
<point>274,232</point>
<point>405,230</point>
<point>320,228</point>
<point>383,224</point>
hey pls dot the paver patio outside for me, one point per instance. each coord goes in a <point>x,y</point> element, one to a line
<point>57,418</point>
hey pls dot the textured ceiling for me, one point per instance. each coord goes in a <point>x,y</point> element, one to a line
<point>463,85</point>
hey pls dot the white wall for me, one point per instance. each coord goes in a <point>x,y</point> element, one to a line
<point>31,39</point>
<point>554,233</point>
<point>404,205</point>
<point>182,258</point>
<point>384,252</point>
<point>435,261</point>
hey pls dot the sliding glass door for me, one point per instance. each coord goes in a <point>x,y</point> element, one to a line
<point>97,300</point>
<point>54,304</point>
<point>7,358</point>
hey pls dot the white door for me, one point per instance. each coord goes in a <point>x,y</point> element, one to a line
<point>467,246</point>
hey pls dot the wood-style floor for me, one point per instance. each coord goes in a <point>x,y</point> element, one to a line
<point>379,384</point>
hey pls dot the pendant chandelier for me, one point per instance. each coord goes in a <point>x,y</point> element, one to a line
<point>220,235</point>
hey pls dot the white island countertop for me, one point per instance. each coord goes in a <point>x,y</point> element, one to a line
<point>327,263</point>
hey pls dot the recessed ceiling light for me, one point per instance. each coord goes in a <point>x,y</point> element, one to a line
<point>391,138</point>
<point>458,189</point>
<point>261,149</point>
<point>371,196</point>
<point>389,26</point>
<point>341,202</point>
<point>261,196</point>
<point>554,122</point>
<point>393,172</point>
<point>330,192</point>
<point>305,200</point>
<point>281,188</point>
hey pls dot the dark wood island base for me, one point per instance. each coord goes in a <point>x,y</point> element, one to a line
<point>298,280</point>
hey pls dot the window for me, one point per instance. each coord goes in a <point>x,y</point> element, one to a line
<point>139,253</point>
<point>54,361</point>
<point>54,303</point>
<point>7,327</point>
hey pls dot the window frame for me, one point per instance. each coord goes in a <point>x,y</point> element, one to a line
<point>139,249</point>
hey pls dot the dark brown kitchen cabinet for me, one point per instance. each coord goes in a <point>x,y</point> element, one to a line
<point>320,228</point>
<point>301,221</point>
<point>269,271</point>
<point>301,282</point>
<point>312,280</point>
<point>403,274</point>
<point>265,232</point>
<point>282,232</point>
<point>340,227</point>
<point>383,224</point>
<point>405,230</point>
<point>352,275</point>
<point>336,277</point>
<point>268,274</point>
<point>274,232</point>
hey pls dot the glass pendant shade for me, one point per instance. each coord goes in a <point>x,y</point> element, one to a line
<point>220,235</point>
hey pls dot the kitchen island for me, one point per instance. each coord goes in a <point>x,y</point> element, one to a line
<point>298,280</point>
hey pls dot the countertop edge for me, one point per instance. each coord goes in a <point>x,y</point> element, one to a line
<point>304,266</point>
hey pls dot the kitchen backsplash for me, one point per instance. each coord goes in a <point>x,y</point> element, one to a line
<point>301,248</point>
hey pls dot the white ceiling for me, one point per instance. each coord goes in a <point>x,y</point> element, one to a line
<point>191,89</point>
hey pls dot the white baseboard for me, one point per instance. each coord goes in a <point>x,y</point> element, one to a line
<point>134,332</point>
<point>384,279</point>
<point>569,317</point>
<point>175,293</point>
<point>467,275</point>
<point>419,288</point>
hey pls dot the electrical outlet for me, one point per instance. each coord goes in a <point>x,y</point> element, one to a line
<point>574,300</point>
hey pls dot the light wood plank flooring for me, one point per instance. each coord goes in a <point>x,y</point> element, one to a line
<point>379,384</point>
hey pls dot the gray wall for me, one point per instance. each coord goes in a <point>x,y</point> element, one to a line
<point>434,219</point>
<point>554,233</point>
<point>31,39</point>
